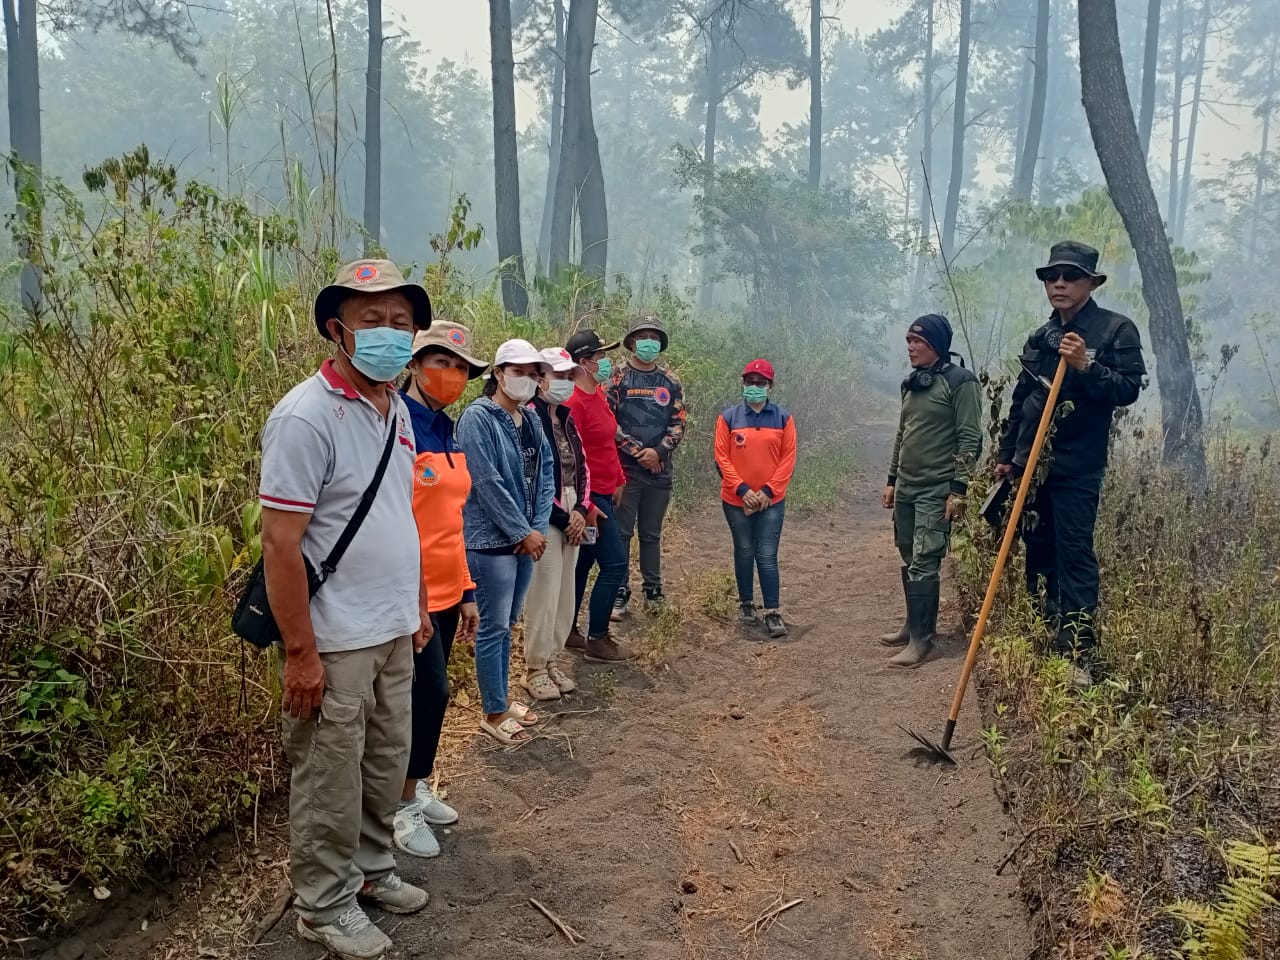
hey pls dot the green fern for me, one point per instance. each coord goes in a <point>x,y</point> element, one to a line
<point>1223,931</point>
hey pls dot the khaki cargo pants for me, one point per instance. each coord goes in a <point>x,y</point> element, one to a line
<point>349,765</point>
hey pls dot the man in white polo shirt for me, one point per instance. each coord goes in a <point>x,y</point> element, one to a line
<point>348,665</point>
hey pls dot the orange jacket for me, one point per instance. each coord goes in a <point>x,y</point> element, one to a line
<point>755,451</point>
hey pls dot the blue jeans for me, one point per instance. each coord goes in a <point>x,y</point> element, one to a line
<point>502,580</point>
<point>611,554</point>
<point>755,546</point>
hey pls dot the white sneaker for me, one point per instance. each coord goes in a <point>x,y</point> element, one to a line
<point>412,832</point>
<point>351,936</point>
<point>434,809</point>
<point>394,895</point>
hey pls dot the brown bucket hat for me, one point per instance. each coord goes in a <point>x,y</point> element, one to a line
<point>646,321</point>
<point>370,276</point>
<point>452,338</point>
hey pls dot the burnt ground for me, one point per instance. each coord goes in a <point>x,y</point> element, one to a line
<point>669,807</point>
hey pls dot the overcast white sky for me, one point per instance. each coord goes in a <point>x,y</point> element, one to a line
<point>459,30</point>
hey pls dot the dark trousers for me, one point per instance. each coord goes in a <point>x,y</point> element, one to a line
<point>431,693</point>
<point>1062,568</point>
<point>610,552</point>
<point>755,547</point>
<point>644,507</point>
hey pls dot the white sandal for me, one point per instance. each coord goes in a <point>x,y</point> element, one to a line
<point>521,714</point>
<point>509,731</point>
<point>542,687</point>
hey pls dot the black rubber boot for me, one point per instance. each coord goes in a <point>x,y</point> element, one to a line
<point>922,622</point>
<point>899,637</point>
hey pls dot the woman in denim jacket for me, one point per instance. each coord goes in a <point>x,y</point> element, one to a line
<point>505,521</point>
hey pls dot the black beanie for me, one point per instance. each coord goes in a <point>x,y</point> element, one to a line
<point>935,330</point>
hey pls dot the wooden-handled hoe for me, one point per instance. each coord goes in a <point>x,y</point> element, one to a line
<point>942,751</point>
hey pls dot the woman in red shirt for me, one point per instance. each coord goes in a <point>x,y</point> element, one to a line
<point>598,429</point>
<point>756,456</point>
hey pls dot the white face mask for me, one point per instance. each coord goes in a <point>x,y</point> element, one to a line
<point>558,391</point>
<point>519,389</point>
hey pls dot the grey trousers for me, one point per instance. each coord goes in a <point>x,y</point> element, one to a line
<point>349,764</point>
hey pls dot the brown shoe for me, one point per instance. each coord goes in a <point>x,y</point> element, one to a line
<point>606,650</point>
<point>576,640</point>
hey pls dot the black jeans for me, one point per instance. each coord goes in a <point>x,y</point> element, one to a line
<point>644,507</point>
<point>1062,568</point>
<point>431,693</point>
<point>610,552</point>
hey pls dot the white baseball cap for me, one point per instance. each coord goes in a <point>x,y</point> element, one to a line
<point>558,359</point>
<point>518,351</point>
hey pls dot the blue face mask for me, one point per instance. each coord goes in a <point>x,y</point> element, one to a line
<point>604,370</point>
<point>381,353</point>
<point>647,350</point>
<point>755,394</point>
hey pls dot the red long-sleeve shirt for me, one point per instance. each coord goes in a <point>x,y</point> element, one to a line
<point>598,428</point>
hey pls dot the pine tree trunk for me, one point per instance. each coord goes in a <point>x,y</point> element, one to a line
<point>1024,106</point>
<point>1260,180</point>
<point>706,292</point>
<point>553,149</point>
<point>1059,70</point>
<point>815,93</point>
<point>506,163</point>
<point>926,155</point>
<point>958,130</point>
<point>593,211</point>
<point>1150,67</point>
<point>373,133</point>
<point>1188,158</point>
<point>1035,122</point>
<point>579,38</point>
<point>1175,140</point>
<point>23,72</point>
<point>1119,149</point>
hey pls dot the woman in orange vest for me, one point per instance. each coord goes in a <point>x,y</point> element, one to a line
<point>442,364</point>
<point>756,456</point>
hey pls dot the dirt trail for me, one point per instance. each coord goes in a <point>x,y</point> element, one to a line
<point>665,813</point>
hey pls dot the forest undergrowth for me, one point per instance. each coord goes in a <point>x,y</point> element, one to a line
<point>133,722</point>
<point>1149,806</point>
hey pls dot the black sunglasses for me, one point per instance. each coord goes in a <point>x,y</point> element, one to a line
<point>1054,274</point>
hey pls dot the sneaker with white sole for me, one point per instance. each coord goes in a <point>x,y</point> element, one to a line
<point>393,895</point>
<point>437,812</point>
<point>352,936</point>
<point>412,832</point>
<point>620,604</point>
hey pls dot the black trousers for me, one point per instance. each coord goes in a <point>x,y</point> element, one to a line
<point>1062,567</point>
<point>431,693</point>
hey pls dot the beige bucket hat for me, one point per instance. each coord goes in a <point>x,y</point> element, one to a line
<point>370,276</point>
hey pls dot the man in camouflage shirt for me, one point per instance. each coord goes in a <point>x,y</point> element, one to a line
<point>648,401</point>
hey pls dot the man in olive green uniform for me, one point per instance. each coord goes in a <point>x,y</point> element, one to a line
<point>939,438</point>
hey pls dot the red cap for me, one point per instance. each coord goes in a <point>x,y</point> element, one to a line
<point>762,367</point>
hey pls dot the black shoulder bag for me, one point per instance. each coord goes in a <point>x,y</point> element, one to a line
<point>253,620</point>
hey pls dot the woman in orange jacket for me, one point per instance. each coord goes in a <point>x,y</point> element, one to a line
<point>443,362</point>
<point>756,456</point>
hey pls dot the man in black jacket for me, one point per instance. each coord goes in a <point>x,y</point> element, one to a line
<point>1105,370</point>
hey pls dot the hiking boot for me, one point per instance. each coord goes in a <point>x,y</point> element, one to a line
<point>606,650</point>
<point>620,604</point>
<point>747,612</point>
<point>899,637</point>
<point>352,936</point>
<point>654,601</point>
<point>774,623</point>
<point>412,832</point>
<point>394,895</point>
<point>576,639</point>
<point>435,810</point>
<point>922,622</point>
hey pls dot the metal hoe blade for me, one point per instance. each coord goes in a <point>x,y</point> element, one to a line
<point>934,750</point>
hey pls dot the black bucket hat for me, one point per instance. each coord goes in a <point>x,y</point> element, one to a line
<point>1070,253</point>
<point>646,321</point>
